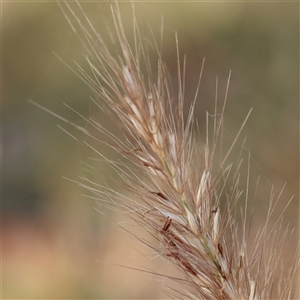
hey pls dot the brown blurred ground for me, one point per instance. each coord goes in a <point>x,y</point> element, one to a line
<point>52,235</point>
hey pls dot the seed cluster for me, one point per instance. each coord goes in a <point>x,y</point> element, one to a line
<point>179,190</point>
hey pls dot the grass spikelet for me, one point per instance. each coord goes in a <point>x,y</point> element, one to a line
<point>184,198</point>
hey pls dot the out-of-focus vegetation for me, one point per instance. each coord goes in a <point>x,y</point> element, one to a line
<point>52,236</point>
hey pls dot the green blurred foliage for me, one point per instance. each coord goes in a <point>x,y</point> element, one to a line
<point>258,42</point>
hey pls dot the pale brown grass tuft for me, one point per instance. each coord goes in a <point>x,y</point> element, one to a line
<point>185,201</point>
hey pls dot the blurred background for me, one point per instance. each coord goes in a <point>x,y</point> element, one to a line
<point>55,243</point>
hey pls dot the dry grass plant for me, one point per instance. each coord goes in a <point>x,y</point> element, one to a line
<point>184,198</point>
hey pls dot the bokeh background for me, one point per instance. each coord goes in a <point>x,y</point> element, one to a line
<point>55,243</point>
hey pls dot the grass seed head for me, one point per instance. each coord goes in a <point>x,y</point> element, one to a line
<point>184,200</point>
